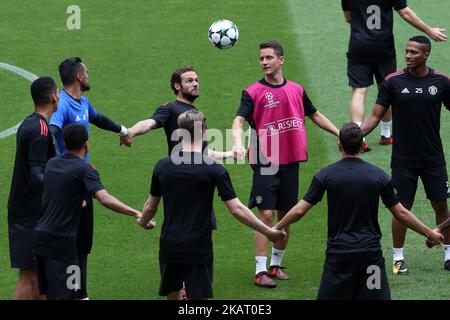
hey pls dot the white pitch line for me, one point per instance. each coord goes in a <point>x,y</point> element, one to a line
<point>24,74</point>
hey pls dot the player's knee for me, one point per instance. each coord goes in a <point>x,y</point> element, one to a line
<point>267,216</point>
<point>359,91</point>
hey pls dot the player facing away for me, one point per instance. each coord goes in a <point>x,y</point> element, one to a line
<point>186,86</point>
<point>34,147</point>
<point>187,188</point>
<point>371,50</point>
<point>354,256</point>
<point>74,107</point>
<point>68,179</point>
<point>276,109</point>
<point>416,95</point>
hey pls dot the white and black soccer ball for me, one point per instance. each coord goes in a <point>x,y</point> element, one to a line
<point>223,34</point>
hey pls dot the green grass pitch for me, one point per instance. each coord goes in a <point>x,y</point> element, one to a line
<point>131,48</point>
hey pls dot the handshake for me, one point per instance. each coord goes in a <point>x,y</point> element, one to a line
<point>435,238</point>
<point>126,137</point>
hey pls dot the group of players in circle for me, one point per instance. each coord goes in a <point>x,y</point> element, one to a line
<point>50,209</point>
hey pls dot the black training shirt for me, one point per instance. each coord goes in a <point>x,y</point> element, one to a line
<point>167,116</point>
<point>371,36</point>
<point>67,181</point>
<point>353,189</point>
<point>187,190</point>
<point>34,147</point>
<point>416,116</point>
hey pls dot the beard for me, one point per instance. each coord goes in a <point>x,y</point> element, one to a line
<point>85,87</point>
<point>189,96</point>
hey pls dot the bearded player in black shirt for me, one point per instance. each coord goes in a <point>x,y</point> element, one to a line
<point>34,148</point>
<point>354,188</point>
<point>416,95</point>
<point>186,86</point>
<point>371,50</point>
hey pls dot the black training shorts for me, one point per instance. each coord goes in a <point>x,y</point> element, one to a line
<point>361,73</point>
<point>367,282</point>
<point>275,192</point>
<point>435,182</point>
<point>197,279</point>
<point>59,279</point>
<point>20,233</point>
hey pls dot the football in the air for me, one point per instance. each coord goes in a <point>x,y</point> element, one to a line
<point>223,34</point>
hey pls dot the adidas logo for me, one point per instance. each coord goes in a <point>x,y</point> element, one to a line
<point>78,118</point>
<point>404,91</point>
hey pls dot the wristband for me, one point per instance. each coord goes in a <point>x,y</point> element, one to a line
<point>123,131</point>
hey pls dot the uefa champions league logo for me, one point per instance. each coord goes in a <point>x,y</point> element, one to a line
<point>270,101</point>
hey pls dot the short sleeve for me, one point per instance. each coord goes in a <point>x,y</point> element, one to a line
<point>315,192</point>
<point>308,107</point>
<point>155,187</point>
<point>92,112</point>
<point>345,5</point>
<point>161,115</point>
<point>224,185</point>
<point>389,195</point>
<point>92,181</point>
<point>59,117</point>
<point>38,146</point>
<point>246,107</point>
<point>385,95</point>
<point>399,4</point>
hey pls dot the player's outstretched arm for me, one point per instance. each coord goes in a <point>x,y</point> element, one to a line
<point>220,155</point>
<point>244,215</point>
<point>114,204</point>
<point>142,127</point>
<point>322,122</point>
<point>437,34</point>
<point>148,212</point>
<point>374,118</point>
<point>138,129</point>
<point>296,213</point>
<point>103,122</point>
<point>239,151</point>
<point>412,222</point>
<point>444,225</point>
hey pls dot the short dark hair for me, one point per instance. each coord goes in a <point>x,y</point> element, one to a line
<point>351,138</point>
<point>68,70</point>
<point>42,89</point>
<point>275,45</point>
<point>75,136</point>
<point>188,119</point>
<point>176,76</point>
<point>422,40</point>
